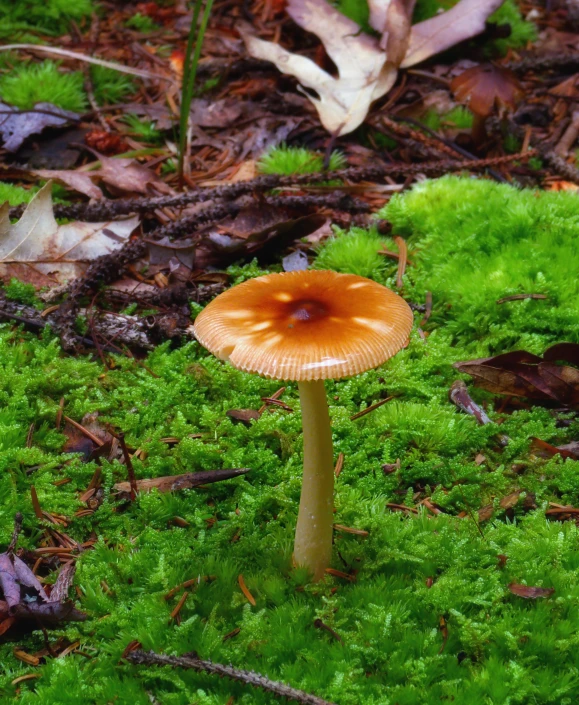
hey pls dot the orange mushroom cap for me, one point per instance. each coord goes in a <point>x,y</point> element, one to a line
<point>305,325</point>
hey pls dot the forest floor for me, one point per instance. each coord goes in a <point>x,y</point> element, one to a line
<point>454,574</point>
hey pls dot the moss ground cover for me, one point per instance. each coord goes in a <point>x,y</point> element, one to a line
<point>429,617</point>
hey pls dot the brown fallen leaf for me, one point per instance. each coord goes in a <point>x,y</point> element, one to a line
<point>37,250</point>
<point>128,175</point>
<point>24,598</point>
<point>363,73</point>
<point>522,374</point>
<point>77,180</point>
<point>546,450</point>
<point>530,593</point>
<point>367,66</point>
<point>246,416</point>
<point>172,483</point>
<point>16,125</point>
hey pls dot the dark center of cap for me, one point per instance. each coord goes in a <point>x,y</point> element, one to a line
<point>307,310</point>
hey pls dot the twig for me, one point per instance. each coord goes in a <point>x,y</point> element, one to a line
<point>534,63</point>
<point>402,259</point>
<point>110,209</point>
<point>130,468</point>
<point>66,54</point>
<point>249,677</point>
<point>16,532</point>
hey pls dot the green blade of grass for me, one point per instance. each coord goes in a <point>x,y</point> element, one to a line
<point>189,76</point>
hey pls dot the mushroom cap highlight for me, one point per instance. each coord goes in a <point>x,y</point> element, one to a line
<point>305,325</point>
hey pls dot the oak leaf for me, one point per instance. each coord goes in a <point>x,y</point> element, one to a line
<point>38,250</point>
<point>367,65</point>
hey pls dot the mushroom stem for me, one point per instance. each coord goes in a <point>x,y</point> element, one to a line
<point>313,542</point>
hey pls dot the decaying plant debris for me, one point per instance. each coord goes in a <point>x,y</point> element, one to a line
<point>155,488</point>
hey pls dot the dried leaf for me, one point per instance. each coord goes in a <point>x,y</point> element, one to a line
<point>8,581</point>
<point>246,416</point>
<point>128,175</point>
<point>77,180</point>
<point>523,374</point>
<point>530,593</point>
<point>172,483</point>
<point>296,262</point>
<point>363,73</point>
<point>392,19</point>
<point>16,125</point>
<point>39,251</point>
<point>486,87</point>
<point>546,450</point>
<point>461,22</point>
<point>367,67</point>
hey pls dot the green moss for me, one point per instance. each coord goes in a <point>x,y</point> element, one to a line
<point>297,160</point>
<point>142,23</point>
<point>34,83</point>
<point>111,86</point>
<point>15,195</point>
<point>355,252</point>
<point>19,291</point>
<point>490,242</point>
<point>470,241</point>
<point>44,16</point>
<point>144,130</point>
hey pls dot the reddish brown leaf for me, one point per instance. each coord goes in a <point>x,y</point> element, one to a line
<point>546,450</point>
<point>246,416</point>
<point>530,593</point>
<point>522,374</point>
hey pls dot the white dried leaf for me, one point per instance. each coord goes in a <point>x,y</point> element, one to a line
<point>367,67</point>
<point>38,250</point>
<point>363,72</point>
<point>461,22</point>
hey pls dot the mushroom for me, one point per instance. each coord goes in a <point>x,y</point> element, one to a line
<point>484,88</point>
<point>308,326</point>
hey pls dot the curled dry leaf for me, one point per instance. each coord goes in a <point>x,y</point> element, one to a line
<point>77,180</point>
<point>463,21</point>
<point>522,374</point>
<point>23,597</point>
<point>367,66</point>
<point>16,125</point>
<point>128,175</point>
<point>363,73</point>
<point>530,593</point>
<point>486,87</point>
<point>37,250</point>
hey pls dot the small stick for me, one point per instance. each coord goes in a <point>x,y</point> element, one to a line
<point>318,624</point>
<point>402,258</point>
<point>16,532</point>
<point>179,605</point>
<point>84,430</point>
<point>427,308</point>
<point>339,464</point>
<point>36,504</point>
<point>245,591</point>
<point>272,398</point>
<point>249,677</point>
<point>369,409</point>
<point>130,468</point>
